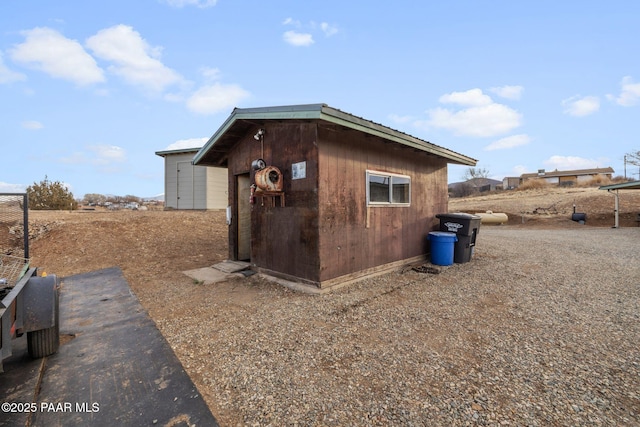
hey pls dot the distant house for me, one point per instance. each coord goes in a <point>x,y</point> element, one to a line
<point>569,177</point>
<point>510,182</point>
<point>323,197</point>
<point>192,187</point>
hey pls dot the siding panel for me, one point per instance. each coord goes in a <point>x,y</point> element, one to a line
<point>394,233</point>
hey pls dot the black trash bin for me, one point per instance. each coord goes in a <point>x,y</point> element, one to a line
<point>466,227</point>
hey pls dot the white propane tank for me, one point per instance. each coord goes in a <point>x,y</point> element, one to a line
<point>269,179</point>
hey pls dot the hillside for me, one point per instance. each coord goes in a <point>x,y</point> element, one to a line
<point>553,206</point>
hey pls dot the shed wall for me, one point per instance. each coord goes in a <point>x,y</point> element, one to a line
<point>283,239</point>
<point>325,230</point>
<point>354,237</point>
<point>193,187</point>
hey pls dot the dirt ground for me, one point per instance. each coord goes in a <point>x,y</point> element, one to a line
<point>553,206</point>
<point>155,244</point>
<point>154,247</point>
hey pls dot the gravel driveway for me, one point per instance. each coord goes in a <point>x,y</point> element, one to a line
<point>541,328</point>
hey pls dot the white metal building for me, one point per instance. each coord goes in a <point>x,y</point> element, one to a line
<point>192,187</point>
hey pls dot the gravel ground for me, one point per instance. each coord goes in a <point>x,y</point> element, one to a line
<point>541,328</point>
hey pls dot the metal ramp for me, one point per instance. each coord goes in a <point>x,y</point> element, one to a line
<point>114,367</point>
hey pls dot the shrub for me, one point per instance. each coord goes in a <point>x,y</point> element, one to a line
<point>48,195</point>
<point>620,179</point>
<point>596,181</point>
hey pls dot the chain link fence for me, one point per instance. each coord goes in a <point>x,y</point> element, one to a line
<point>14,237</point>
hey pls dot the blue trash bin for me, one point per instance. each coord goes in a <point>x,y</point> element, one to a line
<point>442,247</point>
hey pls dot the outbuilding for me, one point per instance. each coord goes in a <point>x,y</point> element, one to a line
<point>192,187</point>
<point>323,197</point>
<point>629,185</point>
<point>569,177</point>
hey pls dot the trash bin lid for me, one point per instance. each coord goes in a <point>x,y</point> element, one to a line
<point>458,215</point>
<point>442,236</point>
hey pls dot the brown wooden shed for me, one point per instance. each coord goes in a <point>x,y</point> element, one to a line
<point>343,197</point>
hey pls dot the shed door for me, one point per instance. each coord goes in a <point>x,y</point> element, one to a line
<point>243,183</point>
<point>185,185</point>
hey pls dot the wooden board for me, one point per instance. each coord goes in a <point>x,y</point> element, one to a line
<point>244,217</point>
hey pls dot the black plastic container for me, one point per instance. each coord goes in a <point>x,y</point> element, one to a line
<point>466,227</point>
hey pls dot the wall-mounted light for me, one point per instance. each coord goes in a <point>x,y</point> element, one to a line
<point>258,135</point>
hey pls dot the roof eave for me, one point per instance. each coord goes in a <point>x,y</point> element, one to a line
<point>632,185</point>
<point>164,153</point>
<point>331,115</point>
<point>347,120</point>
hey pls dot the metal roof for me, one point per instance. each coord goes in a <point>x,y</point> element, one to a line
<point>557,173</point>
<point>631,185</point>
<point>178,151</point>
<point>241,120</point>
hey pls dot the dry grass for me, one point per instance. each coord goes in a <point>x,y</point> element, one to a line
<point>533,184</point>
<point>548,206</point>
<point>596,181</point>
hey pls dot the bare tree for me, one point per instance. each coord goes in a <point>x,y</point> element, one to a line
<point>632,158</point>
<point>95,198</point>
<point>473,173</point>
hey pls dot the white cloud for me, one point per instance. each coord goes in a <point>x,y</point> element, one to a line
<point>293,22</point>
<point>8,76</point>
<point>472,97</point>
<point>295,38</point>
<point>508,142</point>
<point>212,99</point>
<point>482,118</point>
<point>573,162</point>
<point>107,154</point>
<point>198,3</point>
<point>581,106</point>
<point>509,92</point>
<point>183,144</point>
<point>75,158</point>
<point>519,170</point>
<point>135,61</point>
<point>328,29</point>
<point>630,93</point>
<point>210,73</point>
<point>49,51</point>
<point>31,125</point>
<point>102,155</point>
<point>305,38</point>
<point>5,187</point>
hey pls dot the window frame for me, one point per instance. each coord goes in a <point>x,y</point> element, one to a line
<point>390,176</point>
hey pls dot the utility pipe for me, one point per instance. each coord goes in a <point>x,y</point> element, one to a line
<point>615,209</point>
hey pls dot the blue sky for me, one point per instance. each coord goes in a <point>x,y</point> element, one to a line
<point>90,90</point>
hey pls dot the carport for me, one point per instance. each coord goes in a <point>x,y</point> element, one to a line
<point>631,185</point>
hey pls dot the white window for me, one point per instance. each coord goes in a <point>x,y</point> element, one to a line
<point>388,189</point>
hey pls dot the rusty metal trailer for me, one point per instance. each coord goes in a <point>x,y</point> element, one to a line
<point>29,301</point>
